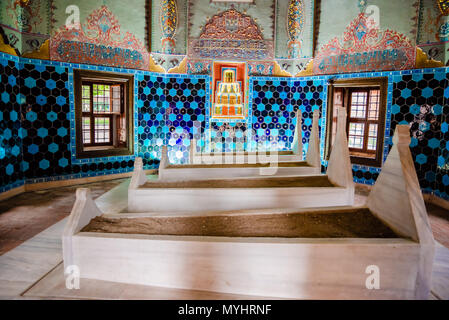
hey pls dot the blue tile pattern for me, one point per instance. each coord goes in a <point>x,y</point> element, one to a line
<point>275,102</point>
<point>45,122</point>
<point>171,111</point>
<point>228,136</point>
<point>10,129</point>
<point>37,137</point>
<point>441,175</point>
<point>421,109</point>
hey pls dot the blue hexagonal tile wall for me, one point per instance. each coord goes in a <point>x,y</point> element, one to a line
<point>10,141</point>
<point>172,109</point>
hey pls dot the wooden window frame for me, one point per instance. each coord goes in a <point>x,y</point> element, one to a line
<point>365,121</point>
<point>358,84</point>
<point>92,115</point>
<point>127,81</point>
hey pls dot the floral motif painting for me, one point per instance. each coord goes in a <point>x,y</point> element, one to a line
<point>169,21</point>
<point>99,41</point>
<point>295,24</point>
<point>199,66</point>
<point>260,68</point>
<point>25,14</point>
<point>365,47</point>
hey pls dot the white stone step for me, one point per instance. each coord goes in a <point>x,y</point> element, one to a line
<point>238,194</point>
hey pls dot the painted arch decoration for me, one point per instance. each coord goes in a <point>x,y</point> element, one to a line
<point>231,35</point>
<point>99,41</point>
<point>365,47</point>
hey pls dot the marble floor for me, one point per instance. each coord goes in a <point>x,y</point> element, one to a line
<point>31,225</point>
<point>24,216</point>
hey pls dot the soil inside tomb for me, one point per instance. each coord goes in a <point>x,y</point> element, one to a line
<point>292,164</point>
<point>319,181</point>
<point>342,223</point>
